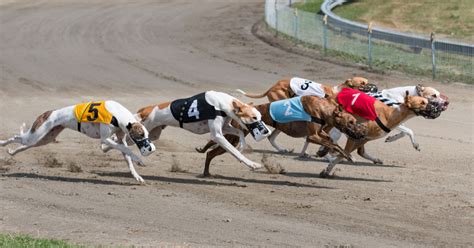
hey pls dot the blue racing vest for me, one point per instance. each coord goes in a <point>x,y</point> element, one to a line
<point>288,110</point>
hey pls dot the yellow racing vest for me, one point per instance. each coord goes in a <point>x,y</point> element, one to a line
<point>94,112</point>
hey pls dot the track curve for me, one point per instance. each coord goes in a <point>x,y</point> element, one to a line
<point>55,53</point>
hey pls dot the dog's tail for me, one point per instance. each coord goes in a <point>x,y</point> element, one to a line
<point>22,129</point>
<point>253,95</point>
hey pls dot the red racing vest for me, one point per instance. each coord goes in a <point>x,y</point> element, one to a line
<point>358,103</point>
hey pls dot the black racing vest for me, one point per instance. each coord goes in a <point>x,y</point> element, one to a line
<point>194,109</point>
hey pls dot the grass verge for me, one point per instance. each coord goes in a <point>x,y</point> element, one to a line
<point>25,241</point>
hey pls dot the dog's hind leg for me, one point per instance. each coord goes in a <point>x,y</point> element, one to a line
<point>303,153</point>
<point>14,139</point>
<point>361,151</point>
<point>272,138</point>
<point>45,139</point>
<point>210,144</point>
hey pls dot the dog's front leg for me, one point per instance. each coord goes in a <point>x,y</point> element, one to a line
<point>404,131</point>
<point>215,127</point>
<point>228,129</point>
<point>108,141</point>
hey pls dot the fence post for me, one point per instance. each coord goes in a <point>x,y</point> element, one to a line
<point>433,55</point>
<point>325,33</point>
<point>276,19</point>
<point>289,3</point>
<point>296,25</point>
<point>369,34</point>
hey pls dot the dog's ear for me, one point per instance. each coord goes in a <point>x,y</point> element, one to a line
<point>419,89</point>
<point>349,82</point>
<point>407,102</point>
<point>237,106</point>
<point>129,126</point>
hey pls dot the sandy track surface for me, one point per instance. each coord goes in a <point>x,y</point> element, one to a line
<point>57,53</point>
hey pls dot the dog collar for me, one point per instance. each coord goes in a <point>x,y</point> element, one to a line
<point>381,125</point>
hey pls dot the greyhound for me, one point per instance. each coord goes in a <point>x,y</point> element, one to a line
<point>98,120</point>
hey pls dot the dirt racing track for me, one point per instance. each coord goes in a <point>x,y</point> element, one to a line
<point>56,53</point>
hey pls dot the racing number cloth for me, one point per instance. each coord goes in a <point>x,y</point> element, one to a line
<point>193,109</point>
<point>94,112</point>
<point>357,102</point>
<point>288,110</point>
<point>305,87</point>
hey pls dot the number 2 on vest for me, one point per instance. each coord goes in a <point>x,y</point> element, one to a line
<point>288,108</point>
<point>193,110</point>
<point>355,98</point>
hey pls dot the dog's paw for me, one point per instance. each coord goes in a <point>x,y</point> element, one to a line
<point>11,152</point>
<point>378,161</point>
<point>303,155</point>
<point>324,174</point>
<point>283,151</point>
<point>139,179</point>
<point>256,166</point>
<point>105,148</point>
<point>200,149</point>
<point>416,146</point>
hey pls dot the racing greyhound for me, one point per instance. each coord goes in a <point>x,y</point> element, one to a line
<point>98,120</point>
<point>209,111</point>
<point>381,119</point>
<point>393,97</point>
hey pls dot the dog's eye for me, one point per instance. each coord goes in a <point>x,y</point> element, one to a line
<point>254,118</point>
<point>434,95</point>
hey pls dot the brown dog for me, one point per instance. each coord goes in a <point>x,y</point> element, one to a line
<point>283,90</point>
<point>324,111</point>
<point>390,118</point>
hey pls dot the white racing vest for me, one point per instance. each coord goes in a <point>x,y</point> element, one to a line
<point>305,87</point>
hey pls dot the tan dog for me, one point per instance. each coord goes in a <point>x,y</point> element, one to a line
<point>321,110</point>
<point>283,90</point>
<point>390,117</point>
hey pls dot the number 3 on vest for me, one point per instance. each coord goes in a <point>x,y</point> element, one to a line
<point>355,98</point>
<point>193,110</point>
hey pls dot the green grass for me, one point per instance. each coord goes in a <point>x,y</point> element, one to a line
<point>310,5</point>
<point>25,241</point>
<point>448,19</point>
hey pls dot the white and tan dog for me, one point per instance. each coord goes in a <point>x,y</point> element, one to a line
<point>98,120</point>
<point>209,111</point>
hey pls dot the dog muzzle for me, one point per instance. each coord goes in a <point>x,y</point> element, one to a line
<point>258,130</point>
<point>145,146</point>
<point>369,88</point>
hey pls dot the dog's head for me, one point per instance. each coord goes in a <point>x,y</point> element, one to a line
<point>356,82</point>
<point>347,123</point>
<point>435,97</point>
<point>139,134</point>
<point>250,118</point>
<point>415,103</point>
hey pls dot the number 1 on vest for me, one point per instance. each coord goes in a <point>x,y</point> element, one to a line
<point>193,110</point>
<point>355,98</point>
